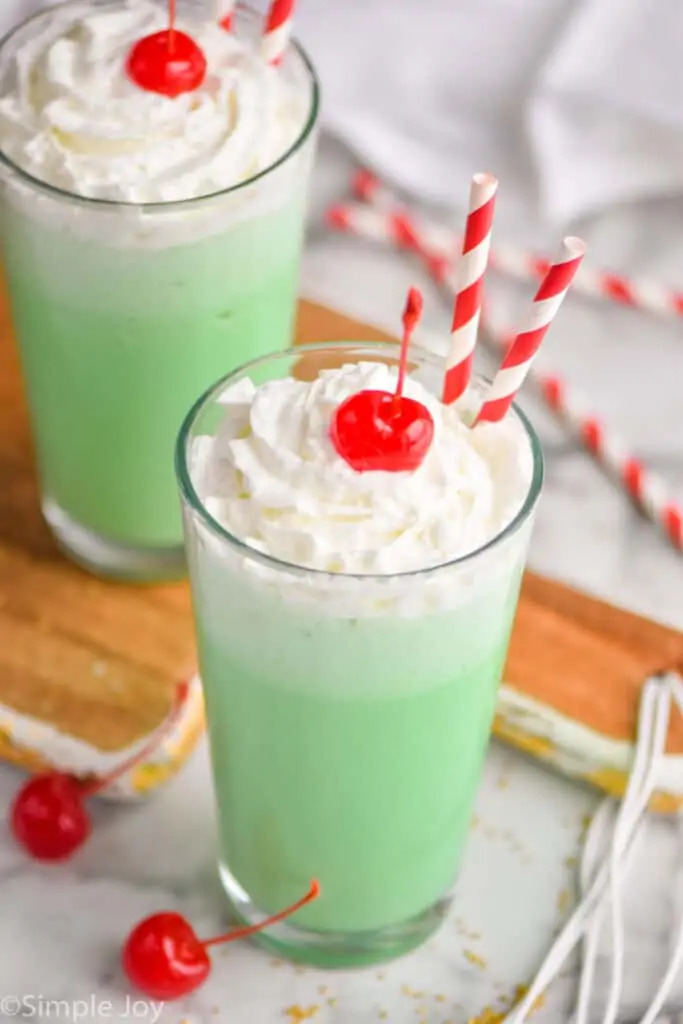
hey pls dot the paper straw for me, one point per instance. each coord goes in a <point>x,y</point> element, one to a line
<point>225,13</point>
<point>649,296</point>
<point>439,237</point>
<point>470,271</point>
<point>647,490</point>
<point>277,30</point>
<point>637,293</point>
<point>394,228</point>
<point>522,352</point>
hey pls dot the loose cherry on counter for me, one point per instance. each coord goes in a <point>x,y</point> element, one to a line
<point>168,62</point>
<point>49,817</point>
<point>164,959</point>
<point>375,430</point>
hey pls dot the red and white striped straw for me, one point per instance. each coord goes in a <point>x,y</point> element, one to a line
<point>638,293</point>
<point>522,352</point>
<point>648,491</point>
<point>439,237</point>
<point>225,13</point>
<point>277,30</point>
<point>470,271</point>
<point>394,228</point>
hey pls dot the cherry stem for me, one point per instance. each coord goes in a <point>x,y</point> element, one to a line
<point>243,933</point>
<point>90,787</point>
<point>171,25</point>
<point>411,316</point>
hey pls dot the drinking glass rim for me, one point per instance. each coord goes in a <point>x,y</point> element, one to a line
<point>190,495</point>
<point>170,205</point>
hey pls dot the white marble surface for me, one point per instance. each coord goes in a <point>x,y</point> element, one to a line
<point>61,928</point>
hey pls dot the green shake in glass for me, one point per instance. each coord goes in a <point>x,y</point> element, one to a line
<point>150,242</point>
<point>353,623</point>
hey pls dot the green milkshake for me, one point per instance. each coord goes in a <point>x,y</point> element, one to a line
<point>352,631</point>
<point>150,243</point>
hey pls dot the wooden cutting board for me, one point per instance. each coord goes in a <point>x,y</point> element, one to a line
<point>98,661</point>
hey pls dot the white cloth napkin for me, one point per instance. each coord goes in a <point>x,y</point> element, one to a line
<point>605,115</point>
<point>576,104</point>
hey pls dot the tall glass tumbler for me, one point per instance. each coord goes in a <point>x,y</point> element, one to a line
<point>124,312</point>
<point>348,716</point>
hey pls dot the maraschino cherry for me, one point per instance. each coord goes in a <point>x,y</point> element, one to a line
<point>164,959</point>
<point>375,430</point>
<point>168,62</point>
<point>49,817</point>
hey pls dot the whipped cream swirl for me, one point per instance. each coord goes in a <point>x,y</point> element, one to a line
<point>75,120</point>
<point>271,476</point>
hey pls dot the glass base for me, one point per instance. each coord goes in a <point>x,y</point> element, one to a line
<point>333,949</point>
<point>109,559</point>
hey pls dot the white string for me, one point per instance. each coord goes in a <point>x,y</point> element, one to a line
<point>577,922</point>
<point>653,756</point>
<point>667,981</point>
<point>671,973</point>
<point>676,684</point>
<point>651,739</point>
<point>616,876</point>
<point>640,801</point>
<point>590,859</point>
